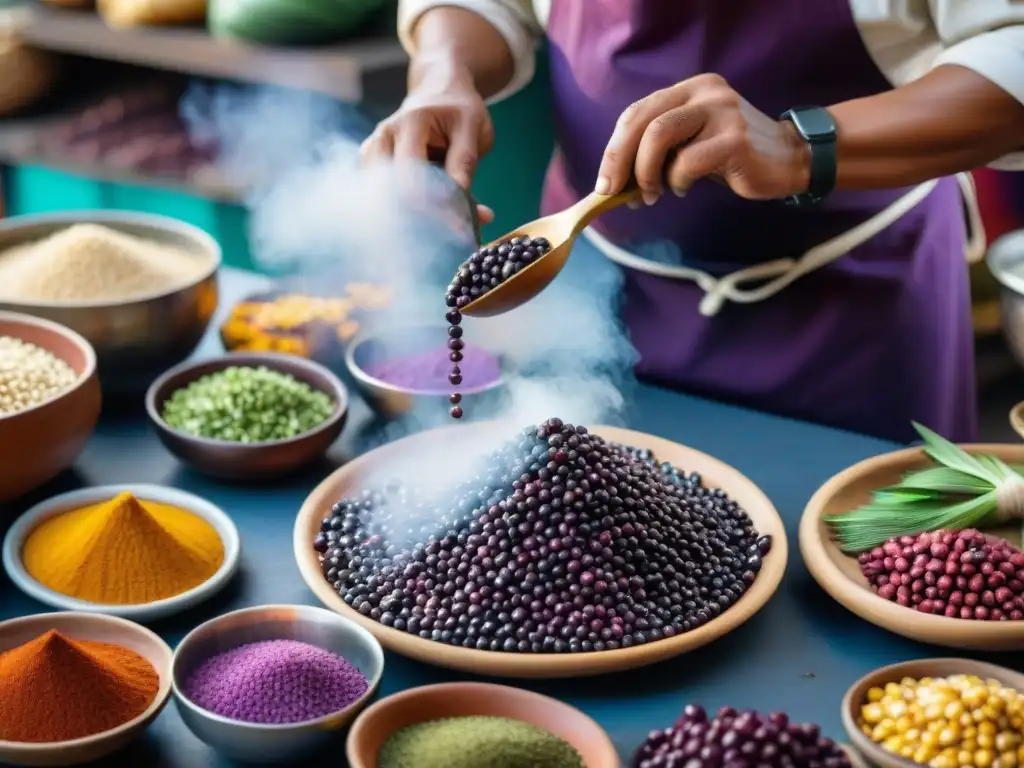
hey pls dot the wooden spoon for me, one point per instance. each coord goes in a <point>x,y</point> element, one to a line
<point>561,230</point>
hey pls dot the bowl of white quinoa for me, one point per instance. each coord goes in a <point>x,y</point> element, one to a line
<point>140,288</point>
<point>49,401</point>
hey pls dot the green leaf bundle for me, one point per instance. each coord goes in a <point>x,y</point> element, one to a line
<point>959,491</point>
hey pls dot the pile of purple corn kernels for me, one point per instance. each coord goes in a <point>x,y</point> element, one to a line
<point>566,544</point>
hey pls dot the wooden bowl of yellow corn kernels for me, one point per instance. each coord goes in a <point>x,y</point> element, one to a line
<point>943,713</point>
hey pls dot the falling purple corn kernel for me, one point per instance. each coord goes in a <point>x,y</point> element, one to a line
<point>486,269</point>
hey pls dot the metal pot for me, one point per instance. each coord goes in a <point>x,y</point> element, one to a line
<point>1006,262</point>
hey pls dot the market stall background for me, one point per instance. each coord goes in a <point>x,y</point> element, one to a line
<point>364,71</point>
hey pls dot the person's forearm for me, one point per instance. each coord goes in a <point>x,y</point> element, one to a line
<point>950,120</point>
<point>456,42</point>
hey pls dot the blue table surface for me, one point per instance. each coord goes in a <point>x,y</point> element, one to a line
<point>799,654</point>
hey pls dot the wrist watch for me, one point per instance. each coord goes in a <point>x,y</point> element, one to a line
<point>816,126</point>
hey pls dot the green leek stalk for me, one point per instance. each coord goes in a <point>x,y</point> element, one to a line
<point>960,491</point>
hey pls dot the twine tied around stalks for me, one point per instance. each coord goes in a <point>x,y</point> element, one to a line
<point>956,490</point>
<point>1010,497</point>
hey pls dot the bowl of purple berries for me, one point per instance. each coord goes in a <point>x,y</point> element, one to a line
<point>959,588</point>
<point>407,368</point>
<point>537,552</point>
<point>740,738</point>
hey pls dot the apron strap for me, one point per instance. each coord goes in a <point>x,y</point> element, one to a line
<point>977,238</point>
<point>781,272</point>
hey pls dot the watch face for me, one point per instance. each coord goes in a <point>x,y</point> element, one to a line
<point>814,124</point>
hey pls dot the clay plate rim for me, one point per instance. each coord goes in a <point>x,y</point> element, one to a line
<point>21,529</point>
<point>76,624</point>
<point>822,556</point>
<point>497,663</point>
<point>854,696</point>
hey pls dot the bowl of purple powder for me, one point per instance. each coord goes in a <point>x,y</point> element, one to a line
<point>275,683</point>
<point>403,368</point>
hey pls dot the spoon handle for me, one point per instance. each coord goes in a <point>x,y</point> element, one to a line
<point>594,204</point>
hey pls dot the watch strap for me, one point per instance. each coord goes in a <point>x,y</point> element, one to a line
<point>816,126</point>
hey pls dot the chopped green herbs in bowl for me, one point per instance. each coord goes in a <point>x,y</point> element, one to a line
<point>248,415</point>
<point>247,405</point>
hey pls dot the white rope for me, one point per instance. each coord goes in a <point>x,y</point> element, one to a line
<point>782,272</point>
<point>1010,497</point>
<point>977,238</point>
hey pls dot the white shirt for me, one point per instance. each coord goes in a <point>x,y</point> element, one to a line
<point>906,38</point>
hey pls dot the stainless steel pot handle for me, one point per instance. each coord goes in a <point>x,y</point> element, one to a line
<point>474,216</point>
<point>437,157</point>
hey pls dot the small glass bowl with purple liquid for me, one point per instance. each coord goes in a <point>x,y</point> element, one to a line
<point>403,369</point>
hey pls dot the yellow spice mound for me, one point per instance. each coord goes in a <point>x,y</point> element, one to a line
<point>89,262</point>
<point>123,552</point>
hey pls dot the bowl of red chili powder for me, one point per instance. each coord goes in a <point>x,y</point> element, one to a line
<point>400,369</point>
<point>75,687</point>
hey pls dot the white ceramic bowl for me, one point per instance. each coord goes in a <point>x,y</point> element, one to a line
<point>103,629</point>
<point>65,502</point>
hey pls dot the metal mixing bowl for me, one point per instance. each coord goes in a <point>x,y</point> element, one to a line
<point>391,401</point>
<point>136,339</point>
<point>282,744</point>
<point>1006,262</point>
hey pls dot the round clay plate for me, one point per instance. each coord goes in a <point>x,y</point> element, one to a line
<point>840,576</point>
<point>429,454</point>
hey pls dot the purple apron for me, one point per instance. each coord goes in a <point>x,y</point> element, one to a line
<point>877,338</point>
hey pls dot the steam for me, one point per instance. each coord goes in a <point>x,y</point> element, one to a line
<point>325,221</point>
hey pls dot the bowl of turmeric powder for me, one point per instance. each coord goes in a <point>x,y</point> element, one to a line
<point>75,687</point>
<point>141,552</point>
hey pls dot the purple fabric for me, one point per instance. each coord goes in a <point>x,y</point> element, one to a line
<point>878,338</point>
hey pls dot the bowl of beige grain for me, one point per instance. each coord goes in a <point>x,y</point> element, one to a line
<point>140,288</point>
<point>49,401</point>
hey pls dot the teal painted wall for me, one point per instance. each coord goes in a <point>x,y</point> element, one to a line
<point>509,180</point>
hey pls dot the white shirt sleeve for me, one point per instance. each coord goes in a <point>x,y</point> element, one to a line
<point>986,36</point>
<point>514,20</point>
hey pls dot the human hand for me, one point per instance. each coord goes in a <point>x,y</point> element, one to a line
<point>702,128</point>
<point>444,116</point>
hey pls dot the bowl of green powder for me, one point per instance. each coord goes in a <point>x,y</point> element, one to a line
<point>248,415</point>
<point>476,725</point>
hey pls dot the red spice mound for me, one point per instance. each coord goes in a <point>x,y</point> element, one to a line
<point>959,574</point>
<point>54,688</point>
